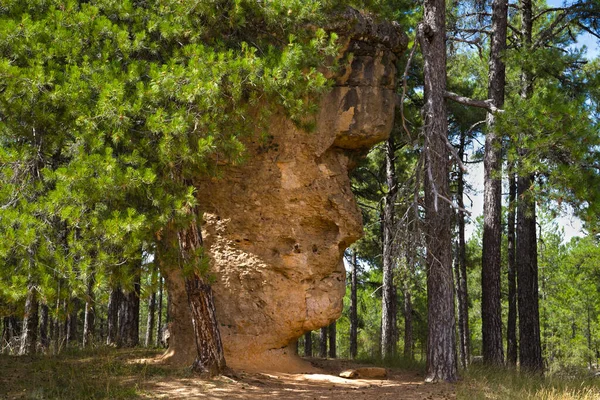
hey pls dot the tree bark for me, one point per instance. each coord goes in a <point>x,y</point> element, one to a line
<point>530,347</point>
<point>191,301</point>
<point>210,357</point>
<point>44,318</point>
<point>323,342</point>
<point>308,344</point>
<point>129,311</point>
<point>511,325</point>
<point>441,341</point>
<point>408,324</point>
<point>89,319</point>
<point>72,322</point>
<point>9,333</point>
<point>491,307</point>
<point>353,308</point>
<point>159,320</point>
<point>461,269</point>
<point>112,318</point>
<point>150,322</point>
<point>332,340</point>
<point>389,299</point>
<point>30,322</point>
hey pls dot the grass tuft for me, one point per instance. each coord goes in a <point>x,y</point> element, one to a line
<point>481,382</point>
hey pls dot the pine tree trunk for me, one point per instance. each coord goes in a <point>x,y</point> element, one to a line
<point>159,321</point>
<point>511,325</point>
<point>10,334</point>
<point>44,318</point>
<point>5,342</point>
<point>72,322</point>
<point>491,307</point>
<point>461,269</point>
<point>89,318</point>
<point>410,255</point>
<point>30,322</point>
<point>129,312</point>
<point>210,357</point>
<point>308,344</point>
<point>530,347</point>
<point>332,340</point>
<point>150,322</point>
<point>323,342</point>
<point>353,309</point>
<point>192,309</point>
<point>112,318</point>
<point>389,299</point>
<point>441,341</point>
<point>408,323</point>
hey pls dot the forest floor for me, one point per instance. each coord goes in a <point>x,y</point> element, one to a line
<point>118,374</point>
<point>106,373</point>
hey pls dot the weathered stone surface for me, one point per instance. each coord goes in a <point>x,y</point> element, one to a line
<point>277,226</point>
<point>364,373</point>
<point>349,374</point>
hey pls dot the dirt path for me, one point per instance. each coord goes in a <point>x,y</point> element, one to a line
<point>134,374</point>
<point>327,385</point>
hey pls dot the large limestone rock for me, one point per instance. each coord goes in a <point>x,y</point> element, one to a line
<point>277,226</point>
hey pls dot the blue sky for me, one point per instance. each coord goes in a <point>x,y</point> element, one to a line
<point>585,39</point>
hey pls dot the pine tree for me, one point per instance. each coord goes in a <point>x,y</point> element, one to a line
<point>441,344</point>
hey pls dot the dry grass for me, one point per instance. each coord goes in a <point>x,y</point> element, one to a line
<point>103,373</point>
<point>497,384</point>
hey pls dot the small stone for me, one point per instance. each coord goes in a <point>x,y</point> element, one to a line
<point>349,374</point>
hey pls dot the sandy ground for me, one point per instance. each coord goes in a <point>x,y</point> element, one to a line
<point>133,374</point>
<point>326,385</point>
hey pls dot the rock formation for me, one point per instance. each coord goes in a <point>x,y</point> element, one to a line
<point>276,227</point>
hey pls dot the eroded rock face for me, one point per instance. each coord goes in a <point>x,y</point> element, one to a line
<point>277,226</point>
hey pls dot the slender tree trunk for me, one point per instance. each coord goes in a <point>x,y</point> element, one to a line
<point>30,322</point>
<point>353,309</point>
<point>9,334</point>
<point>159,321</point>
<point>530,348</point>
<point>441,341</point>
<point>332,340</point>
<point>389,298</point>
<point>408,324</point>
<point>491,307</point>
<point>89,318</point>
<point>4,344</point>
<point>461,269</point>
<point>112,318</point>
<point>308,344</point>
<point>129,312</point>
<point>56,331</point>
<point>44,337</point>
<point>511,325</point>
<point>150,321</point>
<point>589,335</point>
<point>72,322</point>
<point>323,342</point>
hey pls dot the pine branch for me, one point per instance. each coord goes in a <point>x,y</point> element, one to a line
<point>487,104</point>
